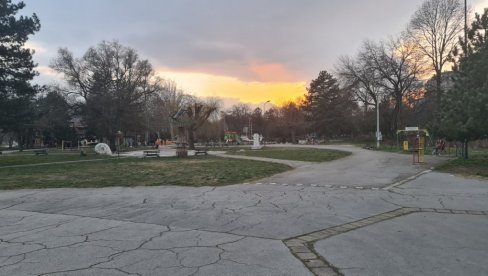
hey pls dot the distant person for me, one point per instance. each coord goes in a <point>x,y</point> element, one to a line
<point>442,146</point>
<point>437,147</point>
<point>158,143</point>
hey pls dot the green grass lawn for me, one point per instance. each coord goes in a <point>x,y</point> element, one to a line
<point>477,164</point>
<point>27,157</point>
<point>288,153</point>
<point>192,171</point>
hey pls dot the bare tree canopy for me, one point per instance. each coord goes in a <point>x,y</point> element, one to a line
<point>173,103</point>
<point>385,70</point>
<point>435,28</point>
<point>198,112</point>
<point>364,82</point>
<point>111,84</point>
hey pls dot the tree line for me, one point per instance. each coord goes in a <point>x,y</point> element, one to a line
<point>110,89</point>
<point>408,79</point>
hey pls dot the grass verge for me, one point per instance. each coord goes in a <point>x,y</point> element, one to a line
<point>128,172</point>
<point>288,153</point>
<point>477,164</point>
<point>27,158</point>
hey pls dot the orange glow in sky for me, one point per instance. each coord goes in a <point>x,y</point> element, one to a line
<point>208,85</point>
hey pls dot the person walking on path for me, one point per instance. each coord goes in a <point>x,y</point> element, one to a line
<point>157,143</point>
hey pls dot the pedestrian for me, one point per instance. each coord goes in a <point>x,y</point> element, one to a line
<point>442,146</point>
<point>158,143</point>
<point>437,147</point>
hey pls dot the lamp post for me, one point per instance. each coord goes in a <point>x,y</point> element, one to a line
<point>466,25</point>
<point>378,133</point>
<point>119,135</point>
<point>264,106</point>
<point>223,114</point>
<point>264,121</point>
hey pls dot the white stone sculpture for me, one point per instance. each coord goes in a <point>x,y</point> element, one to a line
<point>102,148</point>
<point>256,144</point>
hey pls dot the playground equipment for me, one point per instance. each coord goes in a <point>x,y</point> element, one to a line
<point>231,137</point>
<point>414,141</point>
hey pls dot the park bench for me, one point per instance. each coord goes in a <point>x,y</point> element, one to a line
<point>201,151</point>
<point>151,153</point>
<point>40,152</point>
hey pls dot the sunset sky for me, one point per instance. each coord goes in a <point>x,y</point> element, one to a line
<point>242,51</point>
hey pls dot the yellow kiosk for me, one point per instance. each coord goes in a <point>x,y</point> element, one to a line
<point>414,142</point>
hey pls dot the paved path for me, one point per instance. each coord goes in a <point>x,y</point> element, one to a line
<point>330,222</point>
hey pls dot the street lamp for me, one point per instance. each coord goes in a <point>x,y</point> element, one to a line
<point>378,133</point>
<point>264,121</point>
<point>119,135</point>
<point>264,106</point>
<point>223,114</point>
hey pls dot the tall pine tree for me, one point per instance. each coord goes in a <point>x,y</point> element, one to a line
<point>465,109</point>
<point>329,108</point>
<point>16,68</point>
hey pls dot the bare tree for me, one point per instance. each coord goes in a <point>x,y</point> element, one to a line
<point>110,84</point>
<point>383,71</point>
<point>434,28</point>
<point>292,120</point>
<point>238,117</point>
<point>397,66</point>
<point>357,75</point>
<point>198,112</point>
<point>174,101</point>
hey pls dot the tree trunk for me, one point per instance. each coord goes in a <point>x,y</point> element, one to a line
<point>438,90</point>
<point>172,130</point>
<point>10,141</point>
<point>466,156</point>
<point>20,142</point>
<point>293,135</point>
<point>396,112</point>
<point>191,138</point>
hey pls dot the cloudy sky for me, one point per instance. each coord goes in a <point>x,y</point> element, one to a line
<point>240,50</point>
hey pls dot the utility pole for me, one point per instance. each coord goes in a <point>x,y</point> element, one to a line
<point>264,120</point>
<point>378,134</point>
<point>466,26</point>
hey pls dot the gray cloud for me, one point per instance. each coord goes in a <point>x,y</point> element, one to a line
<point>222,36</point>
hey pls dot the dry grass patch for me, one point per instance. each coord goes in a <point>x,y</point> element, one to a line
<point>128,172</point>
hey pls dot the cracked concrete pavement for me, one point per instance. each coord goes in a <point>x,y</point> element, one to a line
<point>241,229</point>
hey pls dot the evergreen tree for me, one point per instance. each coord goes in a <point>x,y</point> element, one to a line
<point>53,117</point>
<point>16,68</point>
<point>328,107</point>
<point>477,36</point>
<point>466,105</point>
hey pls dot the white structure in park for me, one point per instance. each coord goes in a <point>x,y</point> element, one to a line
<point>256,145</point>
<point>102,148</point>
